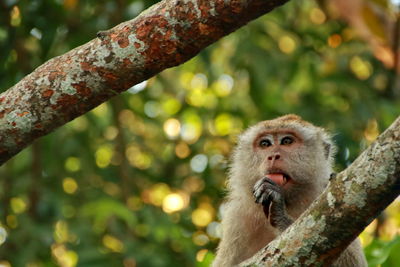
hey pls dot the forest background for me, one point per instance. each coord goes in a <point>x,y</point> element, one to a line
<point>139,181</point>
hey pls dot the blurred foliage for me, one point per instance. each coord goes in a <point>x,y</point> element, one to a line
<point>138,180</point>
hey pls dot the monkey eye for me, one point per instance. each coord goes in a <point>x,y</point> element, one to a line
<point>287,140</point>
<point>265,143</point>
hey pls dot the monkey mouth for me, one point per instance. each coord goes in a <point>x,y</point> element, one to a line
<point>279,178</point>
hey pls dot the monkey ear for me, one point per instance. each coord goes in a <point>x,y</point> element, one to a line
<point>327,149</point>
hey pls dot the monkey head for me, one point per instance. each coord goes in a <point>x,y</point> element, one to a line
<point>289,151</point>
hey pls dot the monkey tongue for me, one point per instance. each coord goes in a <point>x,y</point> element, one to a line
<point>278,178</point>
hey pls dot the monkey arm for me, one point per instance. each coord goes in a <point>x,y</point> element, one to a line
<point>352,256</point>
<point>270,195</point>
<point>234,240</point>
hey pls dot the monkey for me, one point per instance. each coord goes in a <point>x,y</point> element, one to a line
<point>277,170</point>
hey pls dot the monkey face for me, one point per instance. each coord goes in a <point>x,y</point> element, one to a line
<point>280,151</point>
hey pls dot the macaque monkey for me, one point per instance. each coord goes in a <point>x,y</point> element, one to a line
<point>278,169</point>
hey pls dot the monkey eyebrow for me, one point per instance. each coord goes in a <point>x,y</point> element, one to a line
<point>268,136</point>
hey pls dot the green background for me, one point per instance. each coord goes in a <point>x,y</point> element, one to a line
<point>139,180</point>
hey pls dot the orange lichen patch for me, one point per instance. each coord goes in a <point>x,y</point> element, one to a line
<point>205,29</point>
<point>38,126</point>
<point>65,101</point>
<point>22,114</point>
<point>55,75</point>
<point>103,72</point>
<point>123,42</point>
<point>114,37</point>
<point>150,27</point>
<point>137,45</point>
<point>87,66</point>
<point>13,123</point>
<point>170,47</point>
<point>127,62</point>
<point>47,93</point>
<point>110,77</point>
<point>126,28</point>
<point>161,41</point>
<point>2,114</point>
<point>204,9</point>
<point>192,14</point>
<point>2,99</point>
<point>168,34</point>
<point>82,89</point>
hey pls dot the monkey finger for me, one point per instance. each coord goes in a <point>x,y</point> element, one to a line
<point>266,211</point>
<point>259,183</point>
<point>266,198</point>
<point>261,197</point>
<point>258,191</point>
<point>271,185</point>
<point>268,180</point>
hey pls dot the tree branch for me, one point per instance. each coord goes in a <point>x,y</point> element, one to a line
<point>351,201</point>
<point>167,34</point>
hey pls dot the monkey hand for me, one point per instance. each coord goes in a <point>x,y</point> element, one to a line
<point>270,195</point>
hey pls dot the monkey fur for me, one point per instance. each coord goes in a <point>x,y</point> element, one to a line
<point>278,169</point>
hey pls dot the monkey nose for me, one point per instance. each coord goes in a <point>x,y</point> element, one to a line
<point>274,157</point>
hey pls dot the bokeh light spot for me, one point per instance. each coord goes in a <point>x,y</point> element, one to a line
<point>171,106</point>
<point>200,255</point>
<point>18,205</point>
<point>182,150</point>
<point>61,233</point>
<point>224,124</point>
<point>372,131</point>
<point>15,16</point>
<point>199,163</point>
<point>69,185</point>
<point>199,81</point>
<point>111,132</point>
<point>172,128</point>
<point>287,44</point>
<point>113,243</point>
<point>138,158</point>
<point>3,235</point>
<point>103,156</point>
<point>361,68</point>
<point>73,164</point>
<point>200,238</point>
<point>193,184</point>
<point>334,40</point>
<point>12,221</point>
<point>152,109</point>
<point>173,202</point>
<point>317,16</point>
<point>157,193</point>
<point>223,86</point>
<point>64,257</point>
<point>203,215</point>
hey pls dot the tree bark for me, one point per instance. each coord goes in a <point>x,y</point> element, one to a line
<point>351,201</point>
<point>165,35</point>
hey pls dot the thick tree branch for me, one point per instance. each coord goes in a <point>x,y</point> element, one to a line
<point>351,201</point>
<point>167,34</point>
